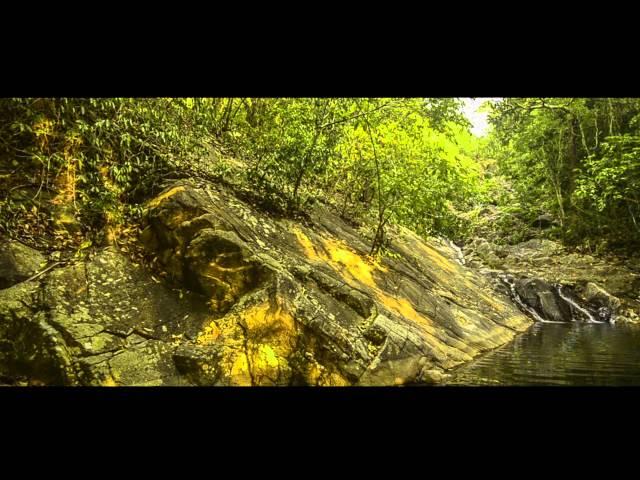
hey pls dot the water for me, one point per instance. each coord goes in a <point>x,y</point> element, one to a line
<point>573,353</point>
<point>575,306</point>
<point>577,311</point>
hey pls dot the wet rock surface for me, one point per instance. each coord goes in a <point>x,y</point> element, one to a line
<point>248,299</point>
<point>606,288</point>
<point>544,298</point>
<point>547,302</point>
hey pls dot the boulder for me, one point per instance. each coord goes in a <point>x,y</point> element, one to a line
<point>600,298</point>
<point>487,252</point>
<point>18,262</point>
<point>544,298</point>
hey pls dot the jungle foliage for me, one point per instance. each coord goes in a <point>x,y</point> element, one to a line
<point>377,160</point>
<point>578,158</point>
<point>78,169</point>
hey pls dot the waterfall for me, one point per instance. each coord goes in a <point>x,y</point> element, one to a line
<point>586,312</point>
<point>590,317</point>
<point>458,251</point>
<point>508,280</point>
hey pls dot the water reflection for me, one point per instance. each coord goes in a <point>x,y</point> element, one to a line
<point>560,354</point>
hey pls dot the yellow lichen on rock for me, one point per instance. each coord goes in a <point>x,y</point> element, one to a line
<point>209,335</point>
<point>439,259</point>
<point>334,380</point>
<point>358,271</point>
<point>267,356</point>
<point>313,373</point>
<point>271,324</point>
<point>267,367</point>
<point>345,261</point>
<point>307,245</point>
<point>461,318</point>
<point>402,307</point>
<point>257,343</point>
<point>271,336</point>
<point>239,371</point>
<point>496,304</point>
<point>318,375</point>
<point>162,197</point>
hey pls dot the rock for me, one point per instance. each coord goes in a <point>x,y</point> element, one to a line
<point>604,314</point>
<point>536,247</point>
<point>320,292</point>
<point>95,323</point>
<point>18,262</point>
<point>434,377</point>
<point>559,303</point>
<point>216,263</point>
<point>487,253</point>
<point>600,298</point>
<point>553,308</point>
<point>29,346</point>
<point>529,290</point>
<point>630,316</point>
<point>544,298</point>
<point>262,301</point>
<point>549,261</point>
<point>544,221</point>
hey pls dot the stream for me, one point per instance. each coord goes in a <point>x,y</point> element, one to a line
<point>576,353</point>
<point>585,348</point>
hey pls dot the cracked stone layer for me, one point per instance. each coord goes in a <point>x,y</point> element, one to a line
<point>103,322</point>
<point>329,314</point>
<point>252,300</point>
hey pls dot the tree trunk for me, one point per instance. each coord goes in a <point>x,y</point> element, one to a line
<point>572,164</point>
<point>378,239</point>
<point>304,166</point>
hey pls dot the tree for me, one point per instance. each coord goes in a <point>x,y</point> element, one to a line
<point>560,151</point>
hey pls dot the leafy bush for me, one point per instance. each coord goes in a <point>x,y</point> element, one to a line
<point>103,155</point>
<point>383,160</point>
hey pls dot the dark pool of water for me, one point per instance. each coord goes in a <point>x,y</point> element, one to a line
<point>560,354</point>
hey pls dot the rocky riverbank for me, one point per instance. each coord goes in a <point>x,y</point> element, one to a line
<point>243,298</point>
<point>541,265</point>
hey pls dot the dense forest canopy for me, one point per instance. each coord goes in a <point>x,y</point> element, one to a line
<point>578,158</point>
<point>78,170</point>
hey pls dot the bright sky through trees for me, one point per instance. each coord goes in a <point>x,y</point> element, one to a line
<point>477,118</point>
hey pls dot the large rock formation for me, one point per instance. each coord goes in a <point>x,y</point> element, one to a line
<point>248,299</point>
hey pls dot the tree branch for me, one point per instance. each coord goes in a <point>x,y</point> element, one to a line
<point>347,119</point>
